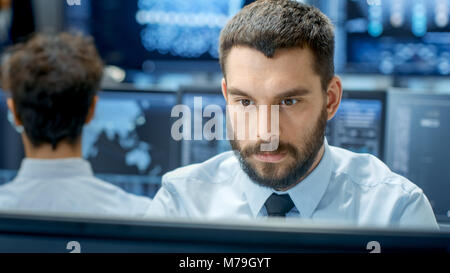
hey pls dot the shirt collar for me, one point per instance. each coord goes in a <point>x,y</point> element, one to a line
<point>51,168</point>
<point>255,194</point>
<point>306,195</point>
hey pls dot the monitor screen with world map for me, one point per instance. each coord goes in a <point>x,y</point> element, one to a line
<point>129,143</point>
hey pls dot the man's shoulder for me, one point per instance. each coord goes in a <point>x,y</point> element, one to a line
<point>8,194</point>
<point>84,194</point>
<point>382,196</point>
<point>199,189</point>
<point>103,197</point>
<point>367,171</point>
<point>217,169</point>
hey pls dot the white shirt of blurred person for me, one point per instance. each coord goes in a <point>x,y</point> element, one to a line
<point>281,53</point>
<point>53,82</point>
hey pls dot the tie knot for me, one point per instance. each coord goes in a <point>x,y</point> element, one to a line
<point>279,205</point>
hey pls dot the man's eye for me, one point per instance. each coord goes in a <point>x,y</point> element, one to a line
<point>289,102</point>
<point>245,102</point>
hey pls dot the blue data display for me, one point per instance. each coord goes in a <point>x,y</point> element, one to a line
<point>130,33</point>
<point>184,28</point>
<point>398,37</point>
<point>358,126</point>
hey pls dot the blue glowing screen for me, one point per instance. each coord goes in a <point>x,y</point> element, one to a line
<point>398,37</point>
<point>129,33</point>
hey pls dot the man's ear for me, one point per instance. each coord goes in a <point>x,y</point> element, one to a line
<point>224,89</point>
<point>12,108</point>
<point>334,96</point>
<point>91,111</point>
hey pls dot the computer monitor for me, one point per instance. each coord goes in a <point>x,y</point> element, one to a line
<point>128,142</point>
<point>11,148</point>
<point>196,151</point>
<point>398,37</point>
<point>418,130</point>
<point>56,234</point>
<point>359,123</point>
<point>153,30</point>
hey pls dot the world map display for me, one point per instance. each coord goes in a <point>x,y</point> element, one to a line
<point>118,121</point>
<point>128,142</point>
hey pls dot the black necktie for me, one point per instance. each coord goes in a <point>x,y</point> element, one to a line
<point>278,205</point>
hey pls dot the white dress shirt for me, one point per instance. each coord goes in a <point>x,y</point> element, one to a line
<point>345,187</point>
<point>67,186</point>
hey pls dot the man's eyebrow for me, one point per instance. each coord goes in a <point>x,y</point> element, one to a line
<point>296,92</point>
<point>236,92</point>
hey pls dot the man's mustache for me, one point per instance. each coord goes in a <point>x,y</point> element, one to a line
<point>255,149</point>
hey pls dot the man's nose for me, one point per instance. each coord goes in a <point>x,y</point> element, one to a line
<point>268,126</point>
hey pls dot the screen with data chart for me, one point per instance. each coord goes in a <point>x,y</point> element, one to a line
<point>359,123</point>
<point>418,144</point>
<point>198,99</point>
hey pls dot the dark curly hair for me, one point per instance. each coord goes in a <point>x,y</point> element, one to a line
<point>53,80</point>
<point>268,25</point>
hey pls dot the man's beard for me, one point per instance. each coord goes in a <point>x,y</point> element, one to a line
<point>303,158</point>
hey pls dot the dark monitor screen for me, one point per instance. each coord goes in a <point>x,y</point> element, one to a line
<point>359,123</point>
<point>129,33</point>
<point>11,149</point>
<point>418,146</point>
<point>398,37</point>
<point>129,143</point>
<point>357,126</point>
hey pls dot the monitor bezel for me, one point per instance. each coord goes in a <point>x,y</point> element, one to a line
<point>126,234</point>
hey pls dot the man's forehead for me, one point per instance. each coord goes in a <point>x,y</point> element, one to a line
<point>248,70</point>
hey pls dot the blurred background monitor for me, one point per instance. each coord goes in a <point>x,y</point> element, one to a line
<point>418,144</point>
<point>128,142</point>
<point>359,123</point>
<point>401,37</point>
<point>197,98</point>
<point>135,34</point>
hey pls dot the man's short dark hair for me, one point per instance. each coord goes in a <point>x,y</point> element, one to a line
<point>268,25</point>
<point>53,80</point>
